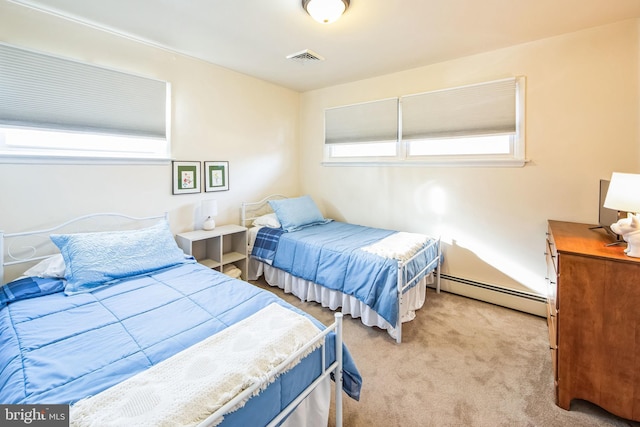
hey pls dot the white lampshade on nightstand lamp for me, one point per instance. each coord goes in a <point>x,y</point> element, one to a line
<point>209,209</point>
<point>624,195</point>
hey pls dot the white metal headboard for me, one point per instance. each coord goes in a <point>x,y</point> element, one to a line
<point>29,246</point>
<point>252,210</point>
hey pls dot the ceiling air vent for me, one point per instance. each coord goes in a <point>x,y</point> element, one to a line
<point>305,56</point>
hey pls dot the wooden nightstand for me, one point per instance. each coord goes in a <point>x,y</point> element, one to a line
<point>217,248</point>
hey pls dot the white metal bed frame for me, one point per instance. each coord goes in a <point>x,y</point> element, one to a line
<point>336,368</point>
<point>252,210</point>
<point>33,252</point>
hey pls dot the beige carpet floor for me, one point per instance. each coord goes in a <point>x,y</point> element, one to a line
<point>462,362</point>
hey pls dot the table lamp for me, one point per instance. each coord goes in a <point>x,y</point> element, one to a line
<point>209,209</point>
<point>624,195</point>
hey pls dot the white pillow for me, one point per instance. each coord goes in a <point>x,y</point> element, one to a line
<point>268,220</point>
<point>49,268</point>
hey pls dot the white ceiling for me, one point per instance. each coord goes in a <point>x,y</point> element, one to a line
<point>374,37</point>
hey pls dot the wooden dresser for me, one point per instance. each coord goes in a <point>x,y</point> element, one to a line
<point>594,319</point>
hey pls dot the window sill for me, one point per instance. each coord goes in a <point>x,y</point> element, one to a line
<point>68,160</point>
<point>507,163</point>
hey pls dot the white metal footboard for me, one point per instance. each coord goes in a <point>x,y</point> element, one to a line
<point>405,282</point>
<point>335,368</point>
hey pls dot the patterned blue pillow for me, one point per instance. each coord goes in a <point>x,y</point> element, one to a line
<point>95,260</point>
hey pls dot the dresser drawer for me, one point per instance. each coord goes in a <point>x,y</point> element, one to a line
<point>554,364</point>
<point>552,249</point>
<point>552,323</point>
<point>552,279</point>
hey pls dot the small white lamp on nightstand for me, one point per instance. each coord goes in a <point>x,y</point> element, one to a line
<point>209,210</point>
<point>624,195</point>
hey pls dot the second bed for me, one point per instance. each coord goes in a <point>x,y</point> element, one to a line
<point>374,274</point>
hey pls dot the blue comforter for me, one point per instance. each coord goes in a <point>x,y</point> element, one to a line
<point>330,255</point>
<point>59,349</point>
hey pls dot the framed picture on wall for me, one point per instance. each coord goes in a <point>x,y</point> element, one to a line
<point>216,176</point>
<point>186,177</point>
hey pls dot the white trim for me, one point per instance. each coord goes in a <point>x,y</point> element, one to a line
<point>511,163</point>
<point>495,296</point>
<point>63,160</point>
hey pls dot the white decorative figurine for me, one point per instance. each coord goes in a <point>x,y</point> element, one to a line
<point>629,229</point>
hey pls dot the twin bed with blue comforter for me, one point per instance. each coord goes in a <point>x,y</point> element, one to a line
<point>368,272</point>
<point>71,339</point>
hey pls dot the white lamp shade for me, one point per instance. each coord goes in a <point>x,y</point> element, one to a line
<point>624,192</point>
<point>209,208</point>
<point>325,11</point>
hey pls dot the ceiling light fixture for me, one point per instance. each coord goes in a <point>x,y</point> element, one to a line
<point>325,11</point>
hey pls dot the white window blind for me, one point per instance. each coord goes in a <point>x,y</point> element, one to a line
<point>480,109</point>
<point>368,122</point>
<point>476,125</point>
<point>41,92</point>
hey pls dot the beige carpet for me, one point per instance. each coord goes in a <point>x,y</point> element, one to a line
<point>462,362</point>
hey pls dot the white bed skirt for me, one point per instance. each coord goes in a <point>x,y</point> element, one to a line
<point>412,300</point>
<point>313,411</point>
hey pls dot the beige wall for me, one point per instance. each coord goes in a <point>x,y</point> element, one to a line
<point>581,125</point>
<point>217,115</point>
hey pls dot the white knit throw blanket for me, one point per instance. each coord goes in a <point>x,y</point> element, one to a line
<point>400,245</point>
<point>186,388</point>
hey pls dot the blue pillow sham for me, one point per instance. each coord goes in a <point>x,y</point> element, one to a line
<point>96,260</point>
<point>29,287</point>
<point>297,213</point>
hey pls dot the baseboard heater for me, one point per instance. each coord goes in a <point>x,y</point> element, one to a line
<point>511,298</point>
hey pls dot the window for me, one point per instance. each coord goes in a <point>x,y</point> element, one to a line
<point>480,124</point>
<point>53,108</point>
<point>367,131</point>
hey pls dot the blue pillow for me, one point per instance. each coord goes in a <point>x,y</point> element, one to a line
<point>29,287</point>
<point>95,260</point>
<point>297,213</point>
